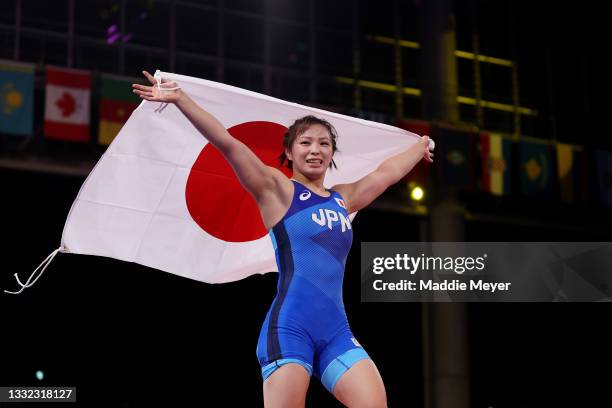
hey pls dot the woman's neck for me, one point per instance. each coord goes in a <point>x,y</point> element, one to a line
<point>315,185</point>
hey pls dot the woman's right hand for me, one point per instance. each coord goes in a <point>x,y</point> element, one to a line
<point>153,93</point>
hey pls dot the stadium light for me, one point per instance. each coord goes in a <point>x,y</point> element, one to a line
<point>416,192</point>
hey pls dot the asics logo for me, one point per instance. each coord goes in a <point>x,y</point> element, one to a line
<point>305,195</point>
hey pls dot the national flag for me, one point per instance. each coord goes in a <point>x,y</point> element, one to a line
<point>535,168</point>
<point>67,104</point>
<point>163,197</point>
<point>455,157</point>
<point>603,176</point>
<point>496,156</point>
<point>572,173</point>
<point>16,97</point>
<point>117,103</point>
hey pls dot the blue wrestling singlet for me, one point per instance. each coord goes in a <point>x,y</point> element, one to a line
<point>306,323</point>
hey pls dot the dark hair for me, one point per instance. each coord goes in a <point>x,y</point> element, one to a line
<point>299,127</point>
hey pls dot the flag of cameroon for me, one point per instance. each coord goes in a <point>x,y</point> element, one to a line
<point>116,105</point>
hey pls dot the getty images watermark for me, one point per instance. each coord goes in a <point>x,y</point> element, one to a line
<point>486,271</point>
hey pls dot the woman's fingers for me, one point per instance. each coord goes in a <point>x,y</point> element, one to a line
<point>149,77</point>
<point>142,87</point>
<point>143,90</point>
<point>154,92</point>
<point>143,93</point>
<point>147,96</point>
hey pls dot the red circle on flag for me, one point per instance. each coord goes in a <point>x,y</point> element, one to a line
<point>215,198</point>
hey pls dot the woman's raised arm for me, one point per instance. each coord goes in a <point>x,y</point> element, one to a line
<point>254,175</point>
<point>362,192</point>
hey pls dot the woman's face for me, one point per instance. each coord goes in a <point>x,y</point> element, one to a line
<point>312,151</point>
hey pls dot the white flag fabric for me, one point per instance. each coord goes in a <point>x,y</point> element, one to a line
<point>163,197</point>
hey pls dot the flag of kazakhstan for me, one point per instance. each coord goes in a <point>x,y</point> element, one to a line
<point>16,97</point>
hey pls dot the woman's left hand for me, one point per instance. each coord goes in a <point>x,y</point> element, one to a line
<point>427,154</point>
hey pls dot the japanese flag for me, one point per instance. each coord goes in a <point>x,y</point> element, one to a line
<point>163,197</point>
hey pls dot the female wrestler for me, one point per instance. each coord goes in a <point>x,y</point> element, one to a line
<point>306,330</point>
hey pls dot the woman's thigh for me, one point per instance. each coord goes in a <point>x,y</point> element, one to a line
<point>361,386</point>
<point>286,387</point>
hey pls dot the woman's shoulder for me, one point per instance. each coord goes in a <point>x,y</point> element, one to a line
<point>341,189</point>
<point>280,178</point>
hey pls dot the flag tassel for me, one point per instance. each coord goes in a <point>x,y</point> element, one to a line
<point>31,280</point>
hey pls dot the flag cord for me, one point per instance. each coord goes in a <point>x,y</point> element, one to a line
<point>31,282</point>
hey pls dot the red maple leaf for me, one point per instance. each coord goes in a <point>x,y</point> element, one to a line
<point>67,104</point>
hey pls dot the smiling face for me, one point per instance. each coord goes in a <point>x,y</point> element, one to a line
<point>311,152</point>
